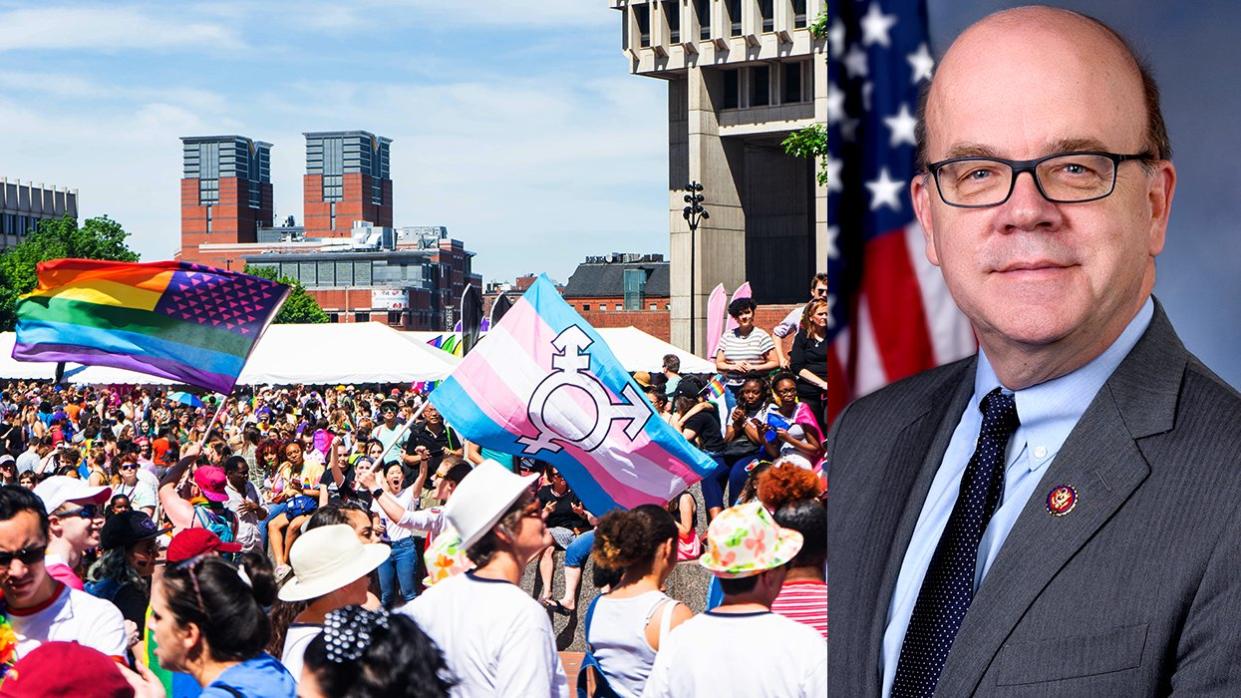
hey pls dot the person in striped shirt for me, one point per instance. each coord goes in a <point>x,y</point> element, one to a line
<point>794,496</point>
<point>746,350</point>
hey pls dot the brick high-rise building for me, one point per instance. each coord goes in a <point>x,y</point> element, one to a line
<point>347,180</point>
<point>226,193</point>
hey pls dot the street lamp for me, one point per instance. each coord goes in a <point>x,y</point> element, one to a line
<point>694,213</point>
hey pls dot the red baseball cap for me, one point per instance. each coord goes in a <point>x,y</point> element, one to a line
<point>193,542</point>
<point>65,669</point>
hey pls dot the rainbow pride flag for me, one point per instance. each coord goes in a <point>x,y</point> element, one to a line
<point>543,384</point>
<point>181,321</point>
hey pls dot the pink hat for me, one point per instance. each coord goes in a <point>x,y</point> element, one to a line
<point>210,480</point>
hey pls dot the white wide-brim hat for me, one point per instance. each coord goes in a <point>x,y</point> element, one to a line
<point>327,558</point>
<point>482,498</point>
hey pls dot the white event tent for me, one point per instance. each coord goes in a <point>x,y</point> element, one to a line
<point>636,350</point>
<point>348,353</point>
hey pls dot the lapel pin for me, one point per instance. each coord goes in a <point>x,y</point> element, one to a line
<point>1061,500</point>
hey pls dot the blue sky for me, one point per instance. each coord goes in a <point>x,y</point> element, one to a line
<point>516,124</point>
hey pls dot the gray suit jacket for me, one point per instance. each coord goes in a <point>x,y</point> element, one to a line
<point>1135,592</point>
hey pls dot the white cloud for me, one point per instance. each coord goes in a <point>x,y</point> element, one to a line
<point>517,13</point>
<point>108,28</point>
<point>534,163</point>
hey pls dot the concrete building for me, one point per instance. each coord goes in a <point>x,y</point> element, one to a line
<point>226,193</point>
<point>742,75</point>
<point>22,206</point>
<point>619,290</point>
<point>347,179</point>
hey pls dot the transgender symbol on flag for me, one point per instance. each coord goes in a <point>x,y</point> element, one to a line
<point>571,374</point>
<point>543,383</point>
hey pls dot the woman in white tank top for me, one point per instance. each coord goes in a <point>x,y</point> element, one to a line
<point>624,628</point>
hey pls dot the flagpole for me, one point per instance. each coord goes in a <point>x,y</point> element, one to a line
<point>207,431</point>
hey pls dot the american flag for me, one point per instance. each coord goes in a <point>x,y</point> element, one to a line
<point>891,315</point>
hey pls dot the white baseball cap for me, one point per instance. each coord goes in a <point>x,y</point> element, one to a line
<point>482,498</point>
<point>327,558</point>
<point>58,489</point>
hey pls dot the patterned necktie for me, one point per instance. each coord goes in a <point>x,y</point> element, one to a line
<point>948,588</point>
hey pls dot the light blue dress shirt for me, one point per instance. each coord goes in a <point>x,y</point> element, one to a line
<point>1048,412</point>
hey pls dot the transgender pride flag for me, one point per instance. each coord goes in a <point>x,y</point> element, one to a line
<point>543,384</point>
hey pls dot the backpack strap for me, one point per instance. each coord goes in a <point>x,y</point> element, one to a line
<point>229,690</point>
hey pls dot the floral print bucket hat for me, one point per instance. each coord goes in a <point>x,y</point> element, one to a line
<point>744,541</point>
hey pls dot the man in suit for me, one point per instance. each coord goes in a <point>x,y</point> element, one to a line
<point>1058,515</point>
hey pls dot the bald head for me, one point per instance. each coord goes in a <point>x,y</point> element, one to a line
<point>1031,48</point>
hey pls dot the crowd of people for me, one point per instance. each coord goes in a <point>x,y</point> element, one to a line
<point>344,540</point>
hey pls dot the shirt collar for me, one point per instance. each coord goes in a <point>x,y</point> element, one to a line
<point>1049,411</point>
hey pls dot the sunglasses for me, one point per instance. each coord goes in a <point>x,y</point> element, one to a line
<point>88,511</point>
<point>129,466</point>
<point>28,556</point>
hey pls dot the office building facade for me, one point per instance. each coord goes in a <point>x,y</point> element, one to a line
<point>226,193</point>
<point>347,179</point>
<point>742,75</point>
<point>22,206</point>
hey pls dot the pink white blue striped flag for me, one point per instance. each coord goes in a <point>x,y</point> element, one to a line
<point>543,384</point>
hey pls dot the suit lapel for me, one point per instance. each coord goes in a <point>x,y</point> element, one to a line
<point>915,457</point>
<point>1102,461</point>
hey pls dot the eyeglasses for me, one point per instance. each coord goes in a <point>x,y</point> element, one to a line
<point>28,556</point>
<point>1062,178</point>
<point>88,511</point>
<point>128,466</point>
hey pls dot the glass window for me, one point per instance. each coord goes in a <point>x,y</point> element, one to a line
<point>703,8</point>
<point>760,86</point>
<point>586,306</point>
<point>344,273</point>
<point>769,15</point>
<point>734,17</point>
<point>799,14</point>
<point>635,285</point>
<point>672,14</point>
<point>361,317</point>
<point>362,273</point>
<point>394,317</point>
<point>642,15</point>
<point>732,89</point>
<point>792,83</point>
<point>333,317</point>
<point>327,273</point>
<point>306,273</point>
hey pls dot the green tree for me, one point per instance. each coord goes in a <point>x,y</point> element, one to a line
<point>810,142</point>
<point>299,307</point>
<point>56,238</point>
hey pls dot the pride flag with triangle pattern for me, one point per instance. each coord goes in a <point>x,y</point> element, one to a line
<point>186,322</point>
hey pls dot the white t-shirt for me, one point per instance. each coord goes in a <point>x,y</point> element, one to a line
<point>496,639</point>
<point>70,615</point>
<point>296,639</point>
<point>248,523</point>
<point>393,531</point>
<point>757,655</point>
